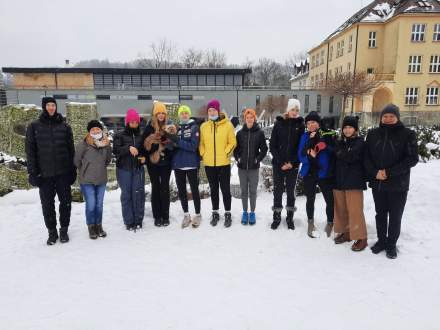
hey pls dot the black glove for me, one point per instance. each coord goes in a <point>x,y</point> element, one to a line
<point>34,180</point>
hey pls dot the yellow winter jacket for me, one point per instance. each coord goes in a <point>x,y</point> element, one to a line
<point>217,141</point>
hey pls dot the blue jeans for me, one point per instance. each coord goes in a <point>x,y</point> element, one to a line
<point>94,196</point>
<point>132,184</point>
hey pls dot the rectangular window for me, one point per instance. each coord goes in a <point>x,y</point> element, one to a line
<point>201,80</point>
<point>434,66</point>
<point>238,80</point>
<point>146,80</point>
<point>313,61</point>
<point>144,97</point>
<point>136,80</point>
<point>338,49</point>
<point>317,60</point>
<point>350,43</point>
<point>210,80</point>
<point>432,96</point>
<point>415,64</point>
<point>103,97</point>
<point>331,104</point>
<point>60,97</point>
<point>412,96</point>
<point>220,80</point>
<point>186,97</point>
<point>306,104</point>
<point>257,100</point>
<point>192,80</point>
<point>370,70</point>
<point>183,80</point>
<point>372,42</point>
<point>342,48</point>
<point>418,32</point>
<point>155,80</point>
<point>229,80</point>
<point>174,80</point>
<point>330,54</point>
<point>164,80</point>
<point>436,36</point>
<point>318,103</point>
<point>322,57</point>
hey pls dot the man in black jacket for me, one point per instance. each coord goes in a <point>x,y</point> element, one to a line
<point>50,152</point>
<point>283,145</point>
<point>391,151</point>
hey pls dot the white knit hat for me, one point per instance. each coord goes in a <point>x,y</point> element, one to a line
<point>292,104</point>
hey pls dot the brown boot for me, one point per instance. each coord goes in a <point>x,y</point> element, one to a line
<point>92,232</point>
<point>342,238</point>
<point>359,245</point>
<point>99,231</point>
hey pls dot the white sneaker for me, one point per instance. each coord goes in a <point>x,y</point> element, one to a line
<point>197,219</point>
<point>186,220</point>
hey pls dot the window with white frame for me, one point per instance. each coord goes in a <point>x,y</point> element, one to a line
<point>412,96</point>
<point>338,49</point>
<point>322,56</point>
<point>342,48</point>
<point>317,60</point>
<point>330,54</point>
<point>436,36</point>
<point>372,41</point>
<point>350,43</point>
<point>313,62</point>
<point>415,64</point>
<point>434,66</point>
<point>432,96</point>
<point>418,32</point>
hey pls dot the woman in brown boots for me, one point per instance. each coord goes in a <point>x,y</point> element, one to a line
<point>350,183</point>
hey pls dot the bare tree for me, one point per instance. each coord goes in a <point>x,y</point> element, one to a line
<point>273,104</point>
<point>267,72</point>
<point>214,58</point>
<point>163,53</point>
<point>192,58</point>
<point>349,84</point>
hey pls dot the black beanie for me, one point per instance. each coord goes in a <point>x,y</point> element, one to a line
<point>94,123</point>
<point>46,100</point>
<point>391,108</point>
<point>313,116</point>
<point>352,121</point>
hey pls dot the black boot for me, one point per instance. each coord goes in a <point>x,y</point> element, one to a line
<point>64,237</point>
<point>53,237</point>
<point>158,222</point>
<point>289,220</point>
<point>92,232</point>
<point>391,252</point>
<point>228,219</point>
<point>100,231</point>
<point>215,217</point>
<point>276,220</point>
<point>130,227</point>
<point>165,222</point>
<point>378,247</point>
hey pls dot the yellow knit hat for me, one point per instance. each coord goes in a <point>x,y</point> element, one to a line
<point>159,107</point>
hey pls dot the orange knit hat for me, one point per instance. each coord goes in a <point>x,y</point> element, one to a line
<point>250,112</point>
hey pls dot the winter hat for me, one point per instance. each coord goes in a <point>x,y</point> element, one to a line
<point>313,116</point>
<point>132,115</point>
<point>94,123</point>
<point>46,100</point>
<point>214,104</point>
<point>352,121</point>
<point>293,104</point>
<point>250,112</point>
<point>184,108</point>
<point>391,108</point>
<point>159,107</point>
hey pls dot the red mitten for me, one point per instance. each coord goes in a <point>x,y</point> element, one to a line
<point>320,146</point>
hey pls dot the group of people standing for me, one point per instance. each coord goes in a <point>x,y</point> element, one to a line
<point>338,166</point>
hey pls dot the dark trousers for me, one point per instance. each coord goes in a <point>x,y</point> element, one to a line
<point>132,184</point>
<point>219,176</point>
<point>193,179</point>
<point>389,211</point>
<point>49,187</point>
<point>326,186</point>
<point>284,181</point>
<point>160,190</point>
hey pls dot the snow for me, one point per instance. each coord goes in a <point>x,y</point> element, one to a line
<point>217,278</point>
<point>432,146</point>
<point>386,13</point>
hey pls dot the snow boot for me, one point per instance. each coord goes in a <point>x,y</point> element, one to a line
<point>328,228</point>
<point>196,220</point>
<point>391,252</point>
<point>100,231</point>
<point>53,237</point>
<point>92,232</point>
<point>228,219</point>
<point>130,227</point>
<point>289,220</point>
<point>311,229</point>
<point>64,237</point>
<point>342,238</point>
<point>158,222</point>
<point>378,247</point>
<point>186,220</point>
<point>215,218</point>
<point>165,222</point>
<point>252,218</point>
<point>244,218</point>
<point>359,245</point>
<point>276,220</point>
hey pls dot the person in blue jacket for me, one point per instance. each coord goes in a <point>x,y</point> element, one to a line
<point>315,152</point>
<point>186,164</point>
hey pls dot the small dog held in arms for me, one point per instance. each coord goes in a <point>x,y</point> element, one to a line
<point>164,139</point>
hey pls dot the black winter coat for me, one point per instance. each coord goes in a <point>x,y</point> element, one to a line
<point>122,142</point>
<point>350,173</point>
<point>168,152</point>
<point>49,147</point>
<point>393,148</point>
<point>251,147</point>
<point>284,141</point>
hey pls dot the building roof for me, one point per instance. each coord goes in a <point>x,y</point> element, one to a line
<point>129,70</point>
<point>380,11</point>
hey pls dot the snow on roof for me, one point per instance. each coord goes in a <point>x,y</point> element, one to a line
<point>381,13</point>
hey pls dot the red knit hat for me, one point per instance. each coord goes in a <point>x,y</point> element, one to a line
<point>214,104</point>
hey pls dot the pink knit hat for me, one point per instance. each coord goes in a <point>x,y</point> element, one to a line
<point>132,115</point>
<point>214,104</point>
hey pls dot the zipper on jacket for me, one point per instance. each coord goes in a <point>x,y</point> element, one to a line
<point>383,150</point>
<point>248,151</point>
<point>215,147</point>
<point>134,145</point>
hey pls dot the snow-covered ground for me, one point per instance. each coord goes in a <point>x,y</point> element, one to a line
<point>217,278</point>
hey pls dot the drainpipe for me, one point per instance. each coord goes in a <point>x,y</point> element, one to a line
<point>355,63</point>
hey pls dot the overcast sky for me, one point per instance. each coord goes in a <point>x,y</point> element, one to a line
<point>45,33</point>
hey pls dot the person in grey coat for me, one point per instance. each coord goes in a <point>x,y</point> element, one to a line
<point>92,157</point>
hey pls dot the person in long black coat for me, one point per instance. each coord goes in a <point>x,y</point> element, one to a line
<point>391,152</point>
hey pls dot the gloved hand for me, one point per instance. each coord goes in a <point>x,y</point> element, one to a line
<point>34,180</point>
<point>320,146</point>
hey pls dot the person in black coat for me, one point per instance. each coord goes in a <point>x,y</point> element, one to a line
<point>50,151</point>
<point>391,152</point>
<point>250,150</point>
<point>349,186</point>
<point>283,145</point>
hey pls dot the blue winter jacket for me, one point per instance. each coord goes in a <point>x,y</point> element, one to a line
<point>187,153</point>
<point>325,157</point>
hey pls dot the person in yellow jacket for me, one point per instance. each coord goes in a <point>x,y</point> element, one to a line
<point>217,143</point>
